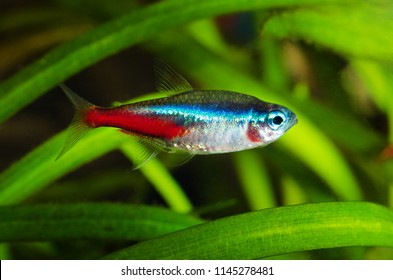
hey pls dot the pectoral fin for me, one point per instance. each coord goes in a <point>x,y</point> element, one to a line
<point>176,158</point>
<point>143,149</point>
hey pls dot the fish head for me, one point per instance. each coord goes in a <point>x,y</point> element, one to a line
<point>273,122</point>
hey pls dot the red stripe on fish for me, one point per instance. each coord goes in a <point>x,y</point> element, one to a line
<point>136,123</point>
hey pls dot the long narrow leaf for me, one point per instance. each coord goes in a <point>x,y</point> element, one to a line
<point>336,28</point>
<point>255,181</point>
<point>162,180</point>
<point>39,168</point>
<point>272,232</point>
<point>118,34</point>
<point>88,220</point>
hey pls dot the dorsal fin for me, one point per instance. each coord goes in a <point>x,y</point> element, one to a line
<point>168,80</point>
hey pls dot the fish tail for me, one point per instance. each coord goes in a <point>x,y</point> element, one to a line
<point>78,127</point>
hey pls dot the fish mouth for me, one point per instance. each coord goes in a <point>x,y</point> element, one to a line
<point>293,121</point>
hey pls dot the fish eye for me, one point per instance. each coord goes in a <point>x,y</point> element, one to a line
<point>275,119</point>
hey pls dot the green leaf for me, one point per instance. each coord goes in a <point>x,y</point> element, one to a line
<point>134,27</point>
<point>272,232</point>
<point>352,30</point>
<point>378,80</point>
<point>88,220</point>
<point>162,180</point>
<point>39,168</point>
<point>255,180</point>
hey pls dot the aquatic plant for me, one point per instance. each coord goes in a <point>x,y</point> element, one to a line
<point>327,183</point>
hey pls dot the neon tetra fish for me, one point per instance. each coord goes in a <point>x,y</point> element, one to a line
<point>188,121</point>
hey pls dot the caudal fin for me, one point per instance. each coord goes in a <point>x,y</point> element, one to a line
<point>78,127</point>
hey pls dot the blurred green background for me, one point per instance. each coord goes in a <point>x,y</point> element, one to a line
<point>328,61</point>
